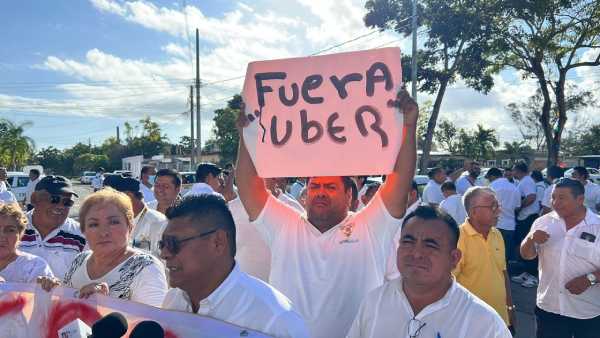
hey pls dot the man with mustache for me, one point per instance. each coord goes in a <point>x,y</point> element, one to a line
<point>327,260</point>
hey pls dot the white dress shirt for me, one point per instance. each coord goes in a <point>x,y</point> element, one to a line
<point>509,199</point>
<point>386,312</point>
<point>148,227</point>
<point>433,193</point>
<point>527,187</point>
<point>201,189</point>
<point>253,255</point>
<point>562,258</point>
<point>463,184</point>
<point>327,275</point>
<point>592,195</point>
<point>547,200</point>
<point>454,206</point>
<point>7,197</point>
<point>30,189</point>
<point>247,302</point>
<point>147,192</point>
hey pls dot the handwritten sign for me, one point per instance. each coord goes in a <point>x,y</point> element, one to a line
<point>28,311</point>
<point>325,115</point>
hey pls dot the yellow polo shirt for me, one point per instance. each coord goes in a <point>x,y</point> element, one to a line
<point>481,268</point>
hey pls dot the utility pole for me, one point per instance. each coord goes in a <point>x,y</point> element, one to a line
<point>118,136</point>
<point>414,50</point>
<point>192,147</point>
<point>198,102</point>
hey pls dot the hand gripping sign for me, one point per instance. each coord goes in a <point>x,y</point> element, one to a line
<point>325,115</point>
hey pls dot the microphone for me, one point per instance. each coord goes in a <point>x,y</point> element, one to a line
<point>113,325</point>
<point>75,329</point>
<point>147,329</point>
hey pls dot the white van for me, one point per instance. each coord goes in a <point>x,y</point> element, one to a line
<point>17,184</point>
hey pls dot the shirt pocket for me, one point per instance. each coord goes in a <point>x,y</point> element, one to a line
<point>588,251</point>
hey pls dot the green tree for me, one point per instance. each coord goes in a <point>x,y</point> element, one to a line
<point>51,159</point>
<point>225,134</point>
<point>516,150</point>
<point>89,162</point>
<point>149,142</point>
<point>115,151</point>
<point>15,147</point>
<point>545,40</point>
<point>458,41</point>
<point>446,136</point>
<point>478,144</point>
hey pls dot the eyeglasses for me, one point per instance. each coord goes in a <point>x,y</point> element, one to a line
<point>173,244</point>
<point>414,327</point>
<point>66,201</point>
<point>493,207</point>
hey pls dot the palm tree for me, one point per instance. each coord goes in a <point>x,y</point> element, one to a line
<point>15,147</point>
<point>485,141</point>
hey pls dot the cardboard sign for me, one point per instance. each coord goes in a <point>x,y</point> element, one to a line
<point>325,115</point>
<point>28,311</point>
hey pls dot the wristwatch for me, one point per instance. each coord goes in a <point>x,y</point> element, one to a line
<point>592,278</point>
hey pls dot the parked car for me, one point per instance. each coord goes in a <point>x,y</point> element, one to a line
<point>123,173</point>
<point>188,178</point>
<point>86,177</point>
<point>17,183</point>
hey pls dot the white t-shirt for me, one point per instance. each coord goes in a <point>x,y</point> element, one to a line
<point>592,196</point>
<point>386,312</point>
<point>509,199</point>
<point>253,255</point>
<point>453,205</point>
<point>140,278</point>
<point>147,192</point>
<point>59,248</point>
<point>527,187</point>
<point>463,184</point>
<point>563,257</point>
<point>547,200</point>
<point>433,193</point>
<point>326,275</point>
<point>98,182</point>
<point>30,189</point>
<point>7,197</point>
<point>391,271</point>
<point>25,269</point>
<point>148,227</point>
<point>247,302</point>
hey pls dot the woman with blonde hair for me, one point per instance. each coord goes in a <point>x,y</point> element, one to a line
<point>112,267</point>
<point>17,266</point>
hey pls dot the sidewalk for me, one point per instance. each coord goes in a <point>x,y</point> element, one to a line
<point>524,299</point>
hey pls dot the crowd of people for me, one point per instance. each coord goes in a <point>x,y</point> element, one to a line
<point>323,256</point>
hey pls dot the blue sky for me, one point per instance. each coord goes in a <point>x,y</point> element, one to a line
<point>78,69</point>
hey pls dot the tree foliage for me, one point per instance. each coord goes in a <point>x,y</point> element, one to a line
<point>15,147</point>
<point>225,135</point>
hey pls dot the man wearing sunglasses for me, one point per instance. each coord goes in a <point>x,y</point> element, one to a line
<point>198,247</point>
<point>50,233</point>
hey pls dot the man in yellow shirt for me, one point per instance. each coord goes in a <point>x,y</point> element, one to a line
<point>482,268</point>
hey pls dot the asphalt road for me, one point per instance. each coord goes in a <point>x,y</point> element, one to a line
<point>82,190</point>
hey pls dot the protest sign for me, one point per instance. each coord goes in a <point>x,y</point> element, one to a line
<point>325,115</point>
<point>28,311</point>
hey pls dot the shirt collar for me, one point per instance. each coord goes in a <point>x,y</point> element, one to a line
<point>220,293</point>
<point>433,307</point>
<point>469,228</point>
<point>590,217</point>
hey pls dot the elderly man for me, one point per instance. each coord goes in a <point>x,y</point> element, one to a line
<point>148,224</point>
<point>471,180</point>
<point>567,242</point>
<point>147,178</point>
<point>327,260</point>
<point>432,194</point>
<point>509,198</point>
<point>50,233</point>
<point>199,247</point>
<point>426,301</point>
<point>482,268</point>
<point>166,190</point>
<point>209,178</point>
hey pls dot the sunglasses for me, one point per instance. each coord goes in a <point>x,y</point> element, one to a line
<point>173,244</point>
<point>67,202</point>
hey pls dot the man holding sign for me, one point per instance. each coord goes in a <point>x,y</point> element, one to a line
<point>327,260</point>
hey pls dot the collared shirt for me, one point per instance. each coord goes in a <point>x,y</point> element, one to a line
<point>454,206</point>
<point>200,189</point>
<point>463,184</point>
<point>148,227</point>
<point>433,193</point>
<point>527,187</point>
<point>592,196</point>
<point>247,302</point>
<point>386,312</point>
<point>147,192</point>
<point>509,199</point>
<point>327,275</point>
<point>564,257</point>
<point>392,265</point>
<point>7,197</point>
<point>253,255</point>
<point>547,200</point>
<point>482,266</point>
<point>30,189</point>
<point>58,248</point>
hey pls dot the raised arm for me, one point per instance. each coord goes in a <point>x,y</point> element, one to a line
<point>394,192</point>
<point>251,188</point>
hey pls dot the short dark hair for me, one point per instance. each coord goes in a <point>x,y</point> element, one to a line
<point>146,169</point>
<point>206,168</point>
<point>448,186</point>
<point>555,171</point>
<point>433,171</point>
<point>577,189</point>
<point>493,172</point>
<point>537,175</point>
<point>522,167</point>
<point>36,172</point>
<point>207,208</point>
<point>582,171</point>
<point>100,169</point>
<point>346,180</point>
<point>174,174</point>
<point>428,212</point>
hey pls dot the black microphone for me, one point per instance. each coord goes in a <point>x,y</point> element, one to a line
<point>147,329</point>
<point>113,325</point>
